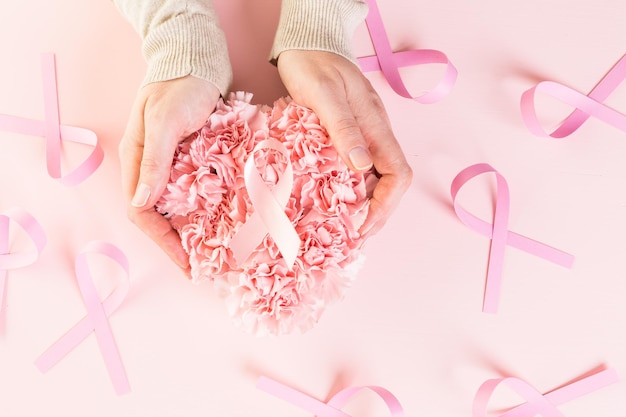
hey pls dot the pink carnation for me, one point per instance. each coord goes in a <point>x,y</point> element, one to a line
<point>207,202</point>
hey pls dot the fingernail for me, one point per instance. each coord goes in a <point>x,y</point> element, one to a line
<point>360,158</point>
<point>142,194</point>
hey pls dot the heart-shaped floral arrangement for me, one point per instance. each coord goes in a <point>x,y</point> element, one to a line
<point>207,200</point>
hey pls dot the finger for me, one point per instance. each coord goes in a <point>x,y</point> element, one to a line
<point>152,223</point>
<point>161,138</point>
<point>393,184</point>
<point>130,149</point>
<point>160,230</point>
<point>337,116</point>
<point>389,162</point>
<point>385,199</point>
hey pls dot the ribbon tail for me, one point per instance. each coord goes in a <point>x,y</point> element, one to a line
<point>541,250</point>
<point>52,124</point>
<point>247,238</point>
<point>64,345</point>
<point>298,398</point>
<point>583,386</point>
<point>111,355</point>
<point>284,234</point>
<point>21,125</point>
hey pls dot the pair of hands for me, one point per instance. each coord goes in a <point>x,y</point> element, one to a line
<point>166,113</point>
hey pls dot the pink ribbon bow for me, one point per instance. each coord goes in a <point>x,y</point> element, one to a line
<point>389,61</point>
<point>18,260</point>
<point>537,403</point>
<point>585,105</point>
<point>332,407</point>
<point>499,234</point>
<point>54,132</point>
<point>269,210</point>
<point>96,320</point>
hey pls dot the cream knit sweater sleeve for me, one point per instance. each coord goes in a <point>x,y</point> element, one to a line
<point>318,25</point>
<point>183,37</point>
<point>180,38</point>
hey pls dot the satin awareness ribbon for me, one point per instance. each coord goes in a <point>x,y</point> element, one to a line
<point>332,408</point>
<point>499,234</point>
<point>389,62</point>
<point>269,210</point>
<point>54,132</point>
<point>10,260</point>
<point>585,105</point>
<point>537,403</point>
<point>96,320</point>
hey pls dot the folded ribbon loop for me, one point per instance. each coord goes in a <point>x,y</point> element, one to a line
<point>537,403</point>
<point>389,61</point>
<point>54,132</point>
<point>585,105</point>
<point>332,407</point>
<point>499,234</point>
<point>96,320</point>
<point>18,260</point>
<point>269,210</point>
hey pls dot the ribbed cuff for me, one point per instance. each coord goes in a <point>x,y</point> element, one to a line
<point>318,25</point>
<point>188,44</point>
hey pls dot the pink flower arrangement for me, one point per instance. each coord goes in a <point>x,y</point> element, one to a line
<point>207,202</point>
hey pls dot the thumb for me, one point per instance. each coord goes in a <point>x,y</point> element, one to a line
<point>156,161</point>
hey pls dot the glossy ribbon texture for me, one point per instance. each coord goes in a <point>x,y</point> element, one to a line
<point>537,403</point>
<point>585,105</point>
<point>10,260</point>
<point>499,234</point>
<point>333,407</point>
<point>269,210</point>
<point>389,62</point>
<point>96,320</point>
<point>54,132</point>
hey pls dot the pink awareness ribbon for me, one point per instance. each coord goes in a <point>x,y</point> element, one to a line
<point>537,403</point>
<point>10,260</point>
<point>269,205</point>
<point>499,234</point>
<point>96,320</point>
<point>54,132</point>
<point>585,105</point>
<point>333,407</point>
<point>389,62</point>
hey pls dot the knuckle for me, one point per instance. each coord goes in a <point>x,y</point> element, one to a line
<point>347,126</point>
<point>375,101</point>
<point>150,164</point>
<point>403,173</point>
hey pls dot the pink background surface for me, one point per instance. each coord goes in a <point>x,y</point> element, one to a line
<point>412,322</point>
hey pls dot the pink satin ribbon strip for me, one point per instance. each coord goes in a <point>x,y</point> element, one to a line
<point>537,403</point>
<point>499,234</point>
<point>269,210</point>
<point>585,105</point>
<point>333,407</point>
<point>10,260</point>
<point>96,320</point>
<point>389,62</point>
<point>54,132</point>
